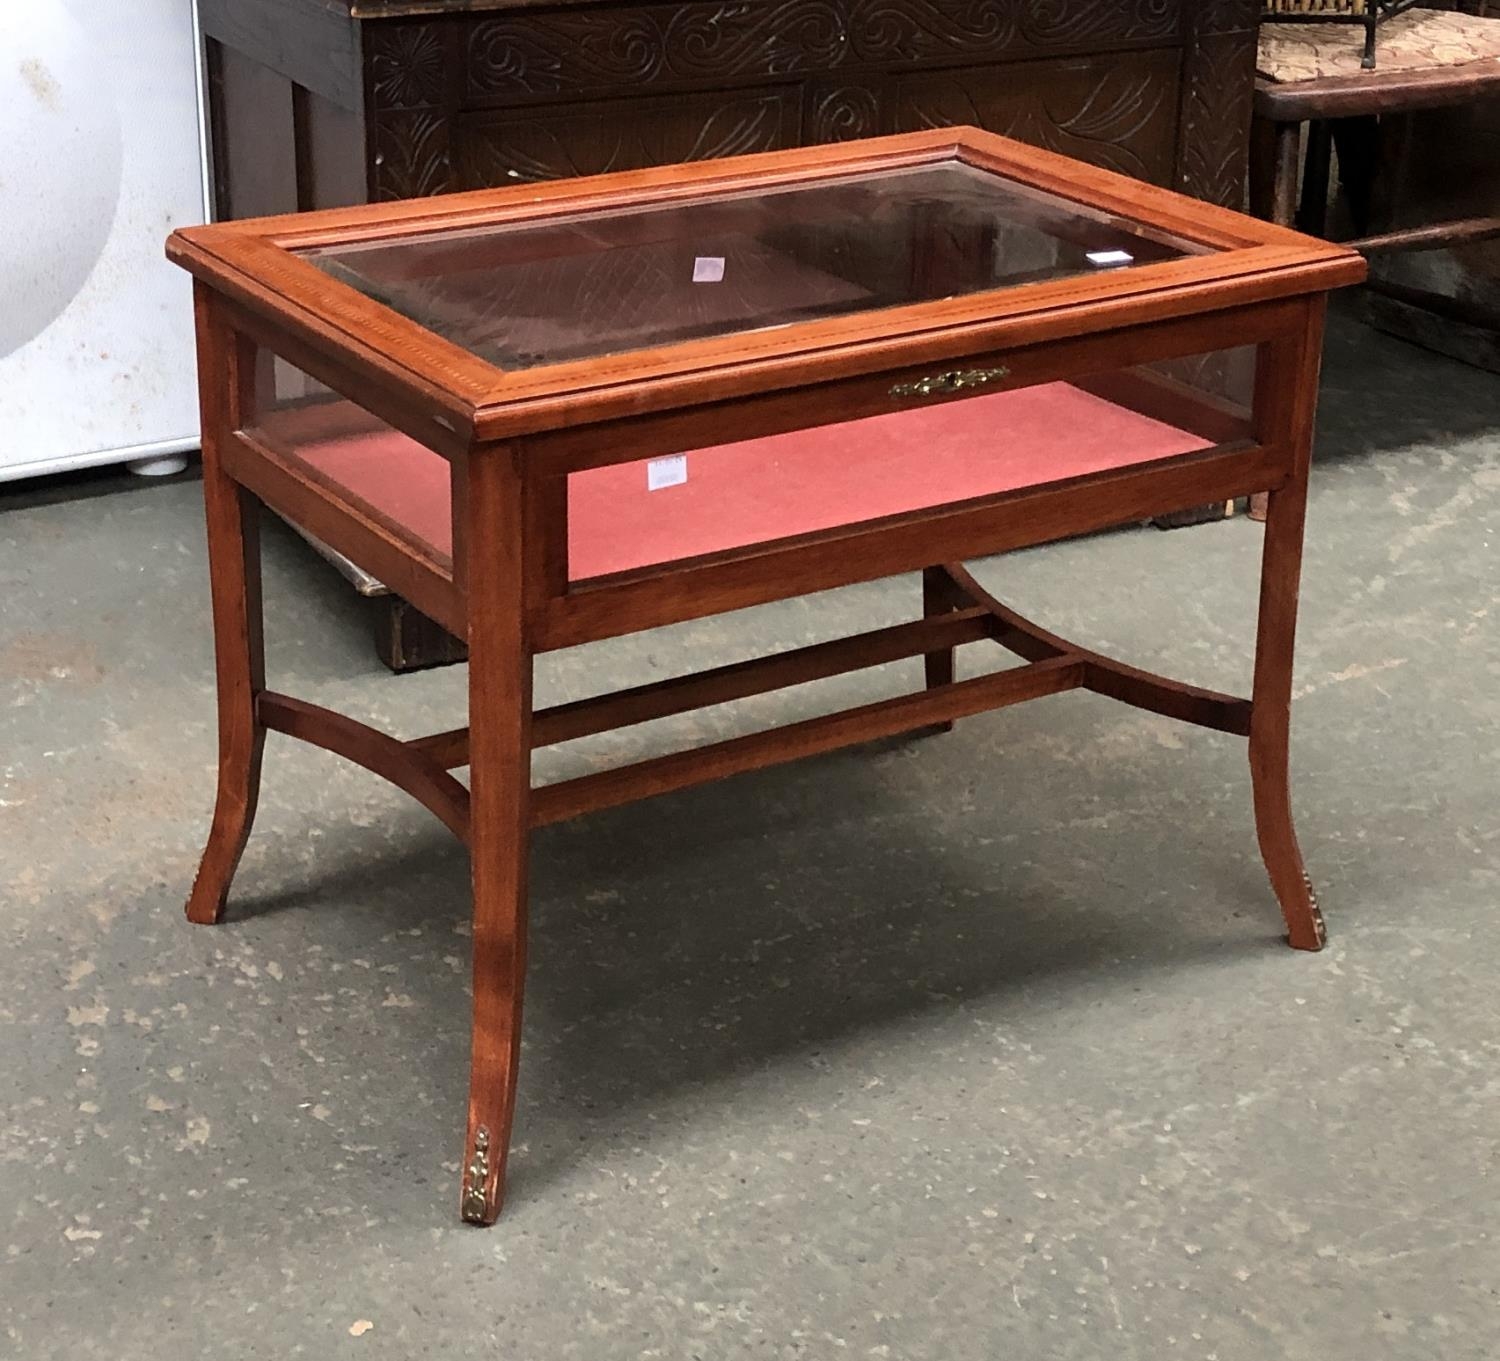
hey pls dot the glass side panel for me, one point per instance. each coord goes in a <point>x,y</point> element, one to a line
<point>633,515</point>
<point>590,284</point>
<point>365,463</point>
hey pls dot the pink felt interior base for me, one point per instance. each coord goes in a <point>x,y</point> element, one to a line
<point>758,490</point>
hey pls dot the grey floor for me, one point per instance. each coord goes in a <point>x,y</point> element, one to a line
<point>981,1046</point>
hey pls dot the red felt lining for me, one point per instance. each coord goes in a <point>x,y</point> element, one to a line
<point>758,490</point>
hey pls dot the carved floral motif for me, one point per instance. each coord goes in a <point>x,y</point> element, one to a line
<point>408,66</point>
<point>844,113</point>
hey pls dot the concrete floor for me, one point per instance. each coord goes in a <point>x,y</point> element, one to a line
<point>983,1046</point>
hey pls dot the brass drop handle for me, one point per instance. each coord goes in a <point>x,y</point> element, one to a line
<point>955,380</point>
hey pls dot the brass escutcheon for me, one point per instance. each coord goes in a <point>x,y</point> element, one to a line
<point>955,380</point>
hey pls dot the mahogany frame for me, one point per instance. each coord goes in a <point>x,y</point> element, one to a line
<point>513,438</point>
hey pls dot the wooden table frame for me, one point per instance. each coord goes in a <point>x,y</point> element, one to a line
<point>513,438</point>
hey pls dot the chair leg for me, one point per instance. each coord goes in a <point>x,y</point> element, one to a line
<point>1275,164</point>
<point>1316,176</point>
<point>1357,141</point>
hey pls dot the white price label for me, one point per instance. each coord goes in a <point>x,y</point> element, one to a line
<point>1107,258</point>
<point>708,269</point>
<point>666,472</point>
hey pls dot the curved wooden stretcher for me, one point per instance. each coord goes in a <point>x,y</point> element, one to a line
<point>959,611</point>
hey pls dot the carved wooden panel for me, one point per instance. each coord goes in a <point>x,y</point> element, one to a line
<point>493,148</point>
<point>430,71</point>
<point>408,105</point>
<point>564,51</point>
<point>844,111</point>
<point>1217,91</point>
<point>571,52</point>
<point>1225,16</point>
<point>408,65</point>
<point>911,31</point>
<point>1161,88</point>
<point>412,156</point>
<point>1116,111</point>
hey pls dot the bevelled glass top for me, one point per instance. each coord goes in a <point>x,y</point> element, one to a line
<point>587,284</point>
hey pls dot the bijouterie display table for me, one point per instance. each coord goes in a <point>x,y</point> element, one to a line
<point>560,413</point>
<point>327,103</point>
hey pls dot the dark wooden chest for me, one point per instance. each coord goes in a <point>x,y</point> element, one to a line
<point>324,102</point>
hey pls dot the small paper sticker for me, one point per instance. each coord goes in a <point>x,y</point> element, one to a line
<point>666,472</point>
<point>708,269</point>
<point>1105,258</point>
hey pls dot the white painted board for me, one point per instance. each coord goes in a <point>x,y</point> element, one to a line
<point>103,159</point>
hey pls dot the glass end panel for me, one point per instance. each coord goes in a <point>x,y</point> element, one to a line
<point>363,462</point>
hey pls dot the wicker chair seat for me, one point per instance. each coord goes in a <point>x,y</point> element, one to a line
<point>1421,40</point>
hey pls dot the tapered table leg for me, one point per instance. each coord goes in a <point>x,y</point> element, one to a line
<point>1271,705</point>
<point>232,514</point>
<point>1270,723</point>
<point>500,787</point>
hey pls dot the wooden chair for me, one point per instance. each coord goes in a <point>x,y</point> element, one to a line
<point>1314,76</point>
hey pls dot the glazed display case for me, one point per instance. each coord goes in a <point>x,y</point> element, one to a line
<point>564,412</point>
